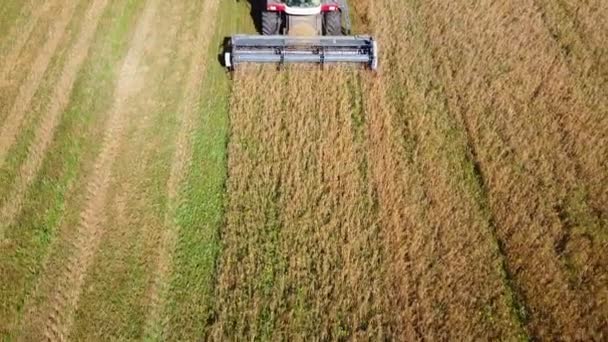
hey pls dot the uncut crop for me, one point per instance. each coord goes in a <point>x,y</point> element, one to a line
<point>457,192</point>
<point>302,250</point>
<point>538,148</point>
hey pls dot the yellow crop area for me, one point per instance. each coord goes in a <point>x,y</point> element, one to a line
<point>460,192</point>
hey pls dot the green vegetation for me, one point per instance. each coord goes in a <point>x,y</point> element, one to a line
<point>54,197</point>
<point>18,153</point>
<point>11,11</point>
<point>200,215</point>
<point>127,252</point>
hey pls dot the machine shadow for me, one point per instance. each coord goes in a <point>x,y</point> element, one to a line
<point>257,7</point>
<point>221,50</point>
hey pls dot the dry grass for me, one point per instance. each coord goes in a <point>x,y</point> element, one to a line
<point>302,251</point>
<point>54,197</point>
<point>580,33</point>
<point>19,34</point>
<point>51,118</point>
<point>82,259</point>
<point>474,172</point>
<point>448,281</point>
<point>510,88</point>
<point>54,317</point>
<point>21,46</point>
<point>12,125</point>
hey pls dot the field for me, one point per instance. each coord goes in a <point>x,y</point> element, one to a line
<point>459,193</point>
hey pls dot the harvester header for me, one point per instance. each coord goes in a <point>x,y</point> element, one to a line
<point>303,31</point>
<point>291,49</point>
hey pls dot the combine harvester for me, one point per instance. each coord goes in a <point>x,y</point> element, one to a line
<point>303,31</point>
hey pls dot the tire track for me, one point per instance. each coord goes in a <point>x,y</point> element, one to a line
<point>394,183</point>
<point>58,312</point>
<point>59,101</point>
<point>179,167</point>
<point>21,35</point>
<point>128,248</point>
<point>12,125</point>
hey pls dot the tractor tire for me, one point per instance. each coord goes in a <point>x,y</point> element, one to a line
<point>333,24</point>
<point>271,23</point>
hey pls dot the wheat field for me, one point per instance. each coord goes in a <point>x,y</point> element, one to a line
<point>458,193</point>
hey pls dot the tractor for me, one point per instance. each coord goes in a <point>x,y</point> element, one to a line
<point>303,31</point>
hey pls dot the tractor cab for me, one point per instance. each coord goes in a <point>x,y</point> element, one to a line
<point>303,3</point>
<point>305,18</point>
